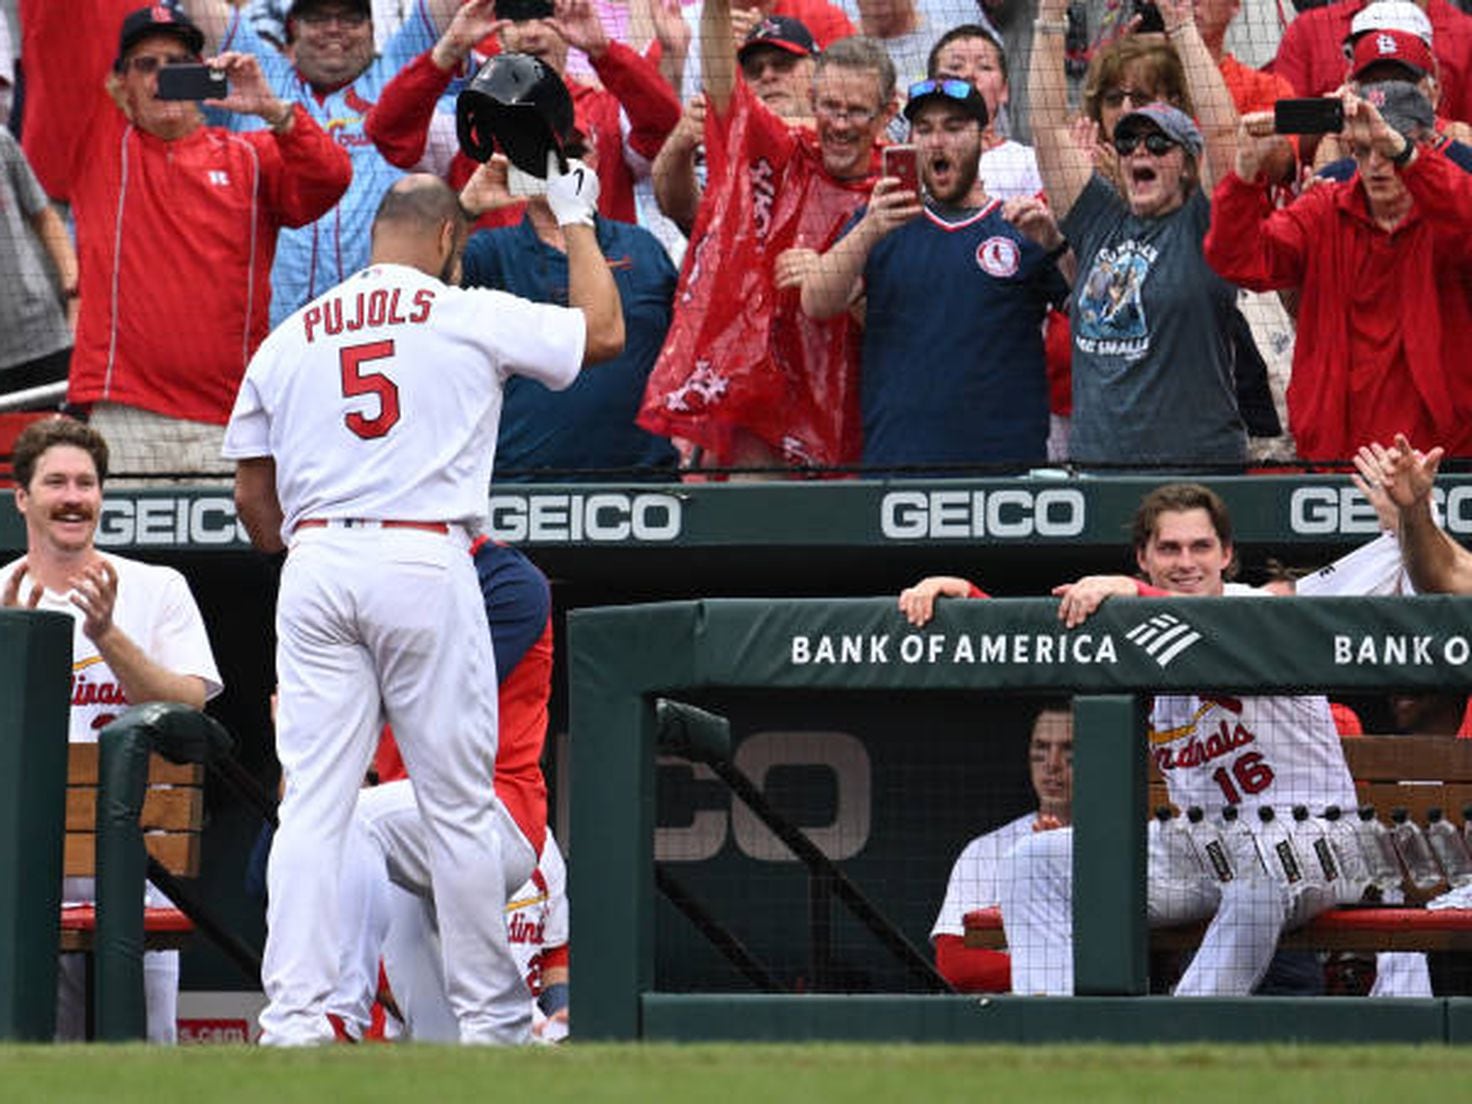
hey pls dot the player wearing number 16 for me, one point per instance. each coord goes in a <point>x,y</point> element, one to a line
<point>364,433</point>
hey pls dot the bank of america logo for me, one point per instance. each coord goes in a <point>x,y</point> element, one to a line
<point>1163,637</point>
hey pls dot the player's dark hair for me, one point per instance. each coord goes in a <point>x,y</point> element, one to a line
<point>1053,703</point>
<point>419,202</point>
<point>860,52</point>
<point>37,437</point>
<point>964,30</point>
<point>1174,498</point>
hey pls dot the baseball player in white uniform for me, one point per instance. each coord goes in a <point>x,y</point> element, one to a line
<point>137,637</point>
<point>364,433</point>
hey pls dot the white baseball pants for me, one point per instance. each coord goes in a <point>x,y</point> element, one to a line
<point>371,624</point>
<point>1246,919</point>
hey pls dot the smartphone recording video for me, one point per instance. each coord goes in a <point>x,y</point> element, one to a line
<point>903,163</point>
<point>1316,115</point>
<point>192,82</point>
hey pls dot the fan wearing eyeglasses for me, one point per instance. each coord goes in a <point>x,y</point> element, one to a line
<point>954,298</point>
<point>1153,380</point>
<point>176,221</point>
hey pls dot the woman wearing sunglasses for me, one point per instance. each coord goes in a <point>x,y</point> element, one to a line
<point>1152,359</point>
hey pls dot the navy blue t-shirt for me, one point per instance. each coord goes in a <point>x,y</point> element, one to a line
<point>590,425</point>
<point>953,367</point>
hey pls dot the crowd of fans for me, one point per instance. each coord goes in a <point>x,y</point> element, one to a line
<point>1108,252</point>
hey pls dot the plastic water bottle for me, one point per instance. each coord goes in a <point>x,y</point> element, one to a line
<point>1211,849</point>
<point>1278,852</point>
<point>1182,867</point>
<point>1354,872</point>
<point>1451,853</point>
<point>1415,852</point>
<point>1379,849</point>
<point>1242,846</point>
<point>1318,858</point>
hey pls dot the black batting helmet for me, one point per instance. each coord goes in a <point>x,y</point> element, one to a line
<point>519,103</point>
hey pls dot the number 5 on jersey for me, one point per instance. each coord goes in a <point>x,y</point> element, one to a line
<point>357,382</point>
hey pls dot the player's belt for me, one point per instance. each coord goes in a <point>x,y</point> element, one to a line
<point>372,523</point>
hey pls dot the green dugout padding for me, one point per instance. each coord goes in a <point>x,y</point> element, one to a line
<point>35,695</point>
<point>623,659</point>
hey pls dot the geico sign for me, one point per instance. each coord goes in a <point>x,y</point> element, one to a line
<point>1009,513</point>
<point>553,518</point>
<point>169,521</point>
<point>1325,511</point>
<point>845,835</point>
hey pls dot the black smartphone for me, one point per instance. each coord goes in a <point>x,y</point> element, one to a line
<point>1316,115</point>
<point>192,82</point>
<point>1151,21</point>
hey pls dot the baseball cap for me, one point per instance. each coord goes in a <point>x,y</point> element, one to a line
<point>782,32</point>
<point>1392,46</point>
<point>158,19</point>
<point>1390,15</point>
<point>299,6</point>
<point>952,89</point>
<point>1174,123</point>
<point>1402,106</point>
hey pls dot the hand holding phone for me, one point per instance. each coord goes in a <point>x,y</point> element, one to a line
<point>1315,115</point>
<point>192,82</point>
<point>903,163</point>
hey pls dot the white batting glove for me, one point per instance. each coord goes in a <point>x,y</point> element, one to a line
<point>573,195</point>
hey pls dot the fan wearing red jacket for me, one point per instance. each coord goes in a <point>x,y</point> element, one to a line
<point>625,122</point>
<point>1382,261</point>
<point>176,221</point>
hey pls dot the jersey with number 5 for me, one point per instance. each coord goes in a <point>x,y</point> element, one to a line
<point>1216,750</point>
<point>381,399</point>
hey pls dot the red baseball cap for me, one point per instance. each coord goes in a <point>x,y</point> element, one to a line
<point>1404,49</point>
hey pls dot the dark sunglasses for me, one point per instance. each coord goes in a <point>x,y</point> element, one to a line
<point>147,64</point>
<point>1155,142</point>
<point>1116,97</point>
<point>947,86</point>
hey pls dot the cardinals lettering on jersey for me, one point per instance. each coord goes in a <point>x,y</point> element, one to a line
<point>380,307</point>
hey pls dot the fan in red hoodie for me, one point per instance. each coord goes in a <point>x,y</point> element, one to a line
<point>625,121</point>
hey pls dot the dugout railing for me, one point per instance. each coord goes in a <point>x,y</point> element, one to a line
<point>624,660</point>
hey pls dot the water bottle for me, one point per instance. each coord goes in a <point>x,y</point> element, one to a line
<point>1415,852</point>
<point>1354,872</point>
<point>1242,846</point>
<point>1211,849</point>
<point>1313,848</point>
<point>1182,867</point>
<point>1278,852</point>
<point>1451,853</point>
<point>1379,850</point>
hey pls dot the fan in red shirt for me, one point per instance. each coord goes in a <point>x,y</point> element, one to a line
<point>744,374</point>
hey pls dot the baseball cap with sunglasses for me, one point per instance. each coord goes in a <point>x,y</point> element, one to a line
<point>958,91</point>
<point>1156,143</point>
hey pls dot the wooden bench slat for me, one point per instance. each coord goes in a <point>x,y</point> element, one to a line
<point>176,808</point>
<point>81,769</point>
<point>1396,758</point>
<point>177,852</point>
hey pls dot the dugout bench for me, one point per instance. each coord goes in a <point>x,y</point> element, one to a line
<point>1412,772</point>
<point>624,660</point>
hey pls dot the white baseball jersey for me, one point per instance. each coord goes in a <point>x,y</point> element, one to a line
<point>157,612</point>
<point>974,876</point>
<point>1010,171</point>
<point>1222,749</point>
<point>536,914</point>
<point>382,398</point>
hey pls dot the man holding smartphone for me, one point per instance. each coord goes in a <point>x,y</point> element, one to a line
<point>953,369</point>
<point>176,222</point>
<point>1381,262</point>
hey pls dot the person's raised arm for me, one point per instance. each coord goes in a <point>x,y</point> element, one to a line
<point>212,17</point>
<point>573,198</point>
<point>442,12</point>
<point>1249,242</point>
<point>676,184</point>
<point>718,55</point>
<point>833,281</point>
<point>1435,562</point>
<point>1064,164</point>
<point>1216,112</point>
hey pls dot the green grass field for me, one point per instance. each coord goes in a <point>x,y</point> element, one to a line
<point>746,1074</point>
